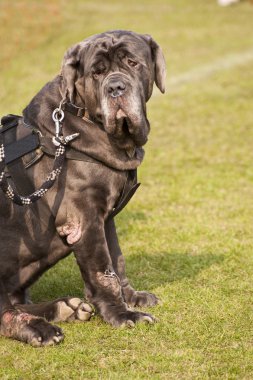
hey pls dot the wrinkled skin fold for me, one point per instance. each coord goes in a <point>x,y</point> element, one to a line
<point>111,77</point>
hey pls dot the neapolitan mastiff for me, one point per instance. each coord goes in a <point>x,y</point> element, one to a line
<point>100,100</point>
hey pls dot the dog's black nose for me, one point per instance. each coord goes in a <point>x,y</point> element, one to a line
<point>116,88</point>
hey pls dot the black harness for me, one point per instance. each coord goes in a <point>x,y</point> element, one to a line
<point>19,153</point>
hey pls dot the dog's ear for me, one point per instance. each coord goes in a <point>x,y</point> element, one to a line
<point>69,70</point>
<point>159,61</point>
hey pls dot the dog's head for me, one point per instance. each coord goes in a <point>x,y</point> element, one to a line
<point>111,75</point>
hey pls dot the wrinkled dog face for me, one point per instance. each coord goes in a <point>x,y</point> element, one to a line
<point>112,75</point>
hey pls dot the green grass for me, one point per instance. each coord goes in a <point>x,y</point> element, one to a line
<point>187,234</point>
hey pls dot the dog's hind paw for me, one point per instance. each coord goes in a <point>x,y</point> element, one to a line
<point>30,329</point>
<point>64,309</point>
<point>72,309</point>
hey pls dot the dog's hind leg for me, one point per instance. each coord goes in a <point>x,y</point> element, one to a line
<point>20,296</point>
<point>132,297</point>
<point>25,327</point>
<point>64,309</point>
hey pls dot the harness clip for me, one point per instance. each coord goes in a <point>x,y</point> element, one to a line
<point>60,140</point>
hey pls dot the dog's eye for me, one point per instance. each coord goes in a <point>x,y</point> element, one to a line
<point>98,71</point>
<point>131,63</point>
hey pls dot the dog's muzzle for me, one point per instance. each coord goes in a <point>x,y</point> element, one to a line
<point>116,88</point>
<point>116,85</point>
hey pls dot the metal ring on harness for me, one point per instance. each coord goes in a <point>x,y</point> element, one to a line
<point>58,111</point>
<point>57,116</point>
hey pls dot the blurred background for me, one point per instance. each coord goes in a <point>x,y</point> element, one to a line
<point>35,34</point>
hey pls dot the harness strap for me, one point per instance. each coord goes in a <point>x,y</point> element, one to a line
<point>72,108</point>
<point>11,191</point>
<point>14,151</point>
<point>131,185</point>
<point>21,147</point>
<point>48,147</point>
<point>27,155</point>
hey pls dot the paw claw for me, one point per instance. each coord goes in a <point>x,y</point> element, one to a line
<point>74,302</point>
<point>36,342</point>
<point>130,323</point>
<point>148,319</point>
<point>57,339</point>
<point>87,307</point>
<point>83,315</point>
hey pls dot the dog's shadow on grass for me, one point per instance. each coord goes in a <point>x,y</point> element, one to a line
<point>144,270</point>
<point>148,271</point>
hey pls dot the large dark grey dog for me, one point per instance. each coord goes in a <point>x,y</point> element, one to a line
<point>103,88</point>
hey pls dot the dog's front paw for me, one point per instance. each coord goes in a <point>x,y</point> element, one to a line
<point>140,299</point>
<point>129,318</point>
<point>27,328</point>
<point>120,315</point>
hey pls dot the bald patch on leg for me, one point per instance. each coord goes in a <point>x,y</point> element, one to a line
<point>110,281</point>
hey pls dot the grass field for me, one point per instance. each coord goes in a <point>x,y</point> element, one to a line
<point>187,234</point>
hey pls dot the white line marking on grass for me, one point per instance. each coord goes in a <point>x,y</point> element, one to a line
<point>202,72</point>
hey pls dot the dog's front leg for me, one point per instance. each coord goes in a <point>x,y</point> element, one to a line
<point>131,296</point>
<point>103,287</point>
